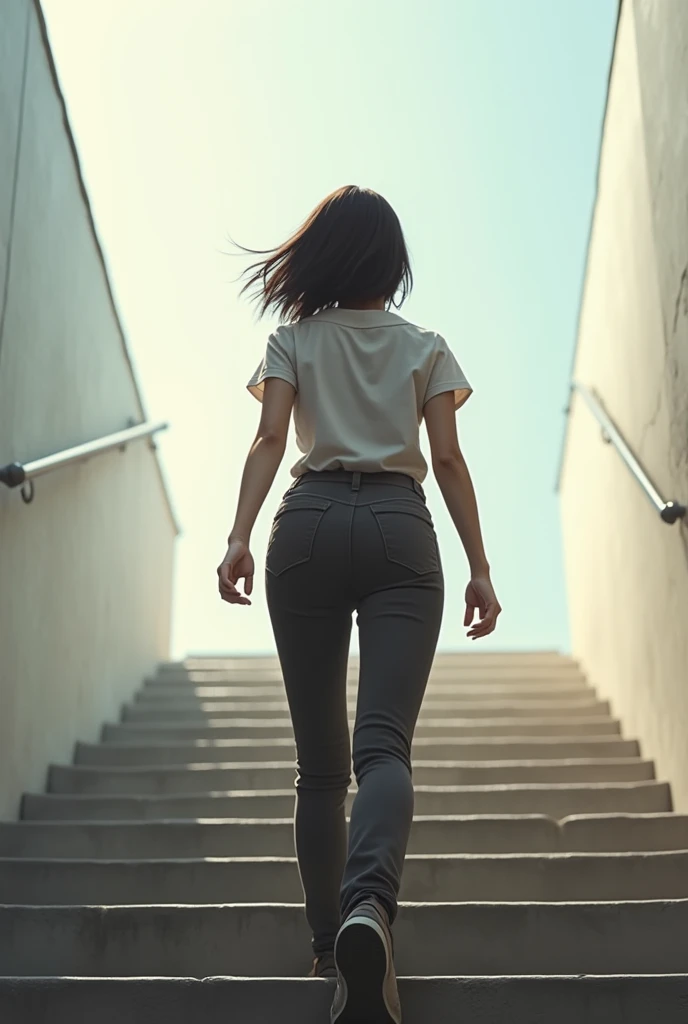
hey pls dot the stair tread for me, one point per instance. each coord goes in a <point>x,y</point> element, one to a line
<point>543,877</point>
<point>487,938</point>
<point>554,855</point>
<point>265,766</point>
<point>568,999</point>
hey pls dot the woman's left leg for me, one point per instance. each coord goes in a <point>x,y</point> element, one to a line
<point>312,641</point>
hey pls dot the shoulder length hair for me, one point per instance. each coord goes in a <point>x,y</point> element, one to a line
<point>350,249</point>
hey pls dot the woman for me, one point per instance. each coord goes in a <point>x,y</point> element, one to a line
<point>353,533</point>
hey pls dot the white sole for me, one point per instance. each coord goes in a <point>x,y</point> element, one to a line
<point>364,963</point>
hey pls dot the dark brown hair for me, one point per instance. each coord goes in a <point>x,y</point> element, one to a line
<point>350,249</point>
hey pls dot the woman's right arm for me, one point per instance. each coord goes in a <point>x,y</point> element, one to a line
<point>454,479</point>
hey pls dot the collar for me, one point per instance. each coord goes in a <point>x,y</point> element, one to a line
<point>359,317</point>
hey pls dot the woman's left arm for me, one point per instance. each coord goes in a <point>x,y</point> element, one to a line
<point>263,460</point>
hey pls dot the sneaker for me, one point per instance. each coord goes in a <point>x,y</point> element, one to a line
<point>324,966</point>
<point>364,956</point>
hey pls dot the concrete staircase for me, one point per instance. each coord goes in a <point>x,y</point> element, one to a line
<point>155,881</point>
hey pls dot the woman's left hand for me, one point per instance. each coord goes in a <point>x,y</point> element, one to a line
<point>237,564</point>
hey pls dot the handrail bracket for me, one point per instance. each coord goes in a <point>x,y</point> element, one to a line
<point>669,511</point>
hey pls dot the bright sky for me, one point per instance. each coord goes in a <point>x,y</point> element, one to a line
<point>479,120</point>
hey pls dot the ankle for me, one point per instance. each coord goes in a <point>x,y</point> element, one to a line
<point>374,901</point>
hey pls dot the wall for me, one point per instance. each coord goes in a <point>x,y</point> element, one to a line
<point>86,570</point>
<point>627,572</point>
<point>662,46</point>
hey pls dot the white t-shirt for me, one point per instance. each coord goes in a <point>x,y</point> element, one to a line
<point>362,378</point>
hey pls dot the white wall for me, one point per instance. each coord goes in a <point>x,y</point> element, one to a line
<point>13,23</point>
<point>86,570</point>
<point>662,47</point>
<point>627,572</point>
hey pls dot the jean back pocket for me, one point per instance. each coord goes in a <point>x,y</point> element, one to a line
<point>293,531</point>
<point>408,534</point>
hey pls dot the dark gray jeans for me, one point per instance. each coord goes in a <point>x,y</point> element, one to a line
<point>344,542</point>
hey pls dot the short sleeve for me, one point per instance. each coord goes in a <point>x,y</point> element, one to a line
<point>279,361</point>
<point>446,375</point>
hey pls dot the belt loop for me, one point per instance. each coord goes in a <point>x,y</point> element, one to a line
<point>418,488</point>
<point>356,482</point>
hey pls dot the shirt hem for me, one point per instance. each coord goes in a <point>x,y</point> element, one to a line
<point>256,386</point>
<point>461,386</point>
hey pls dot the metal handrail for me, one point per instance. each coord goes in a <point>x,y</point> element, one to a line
<point>669,511</point>
<point>17,474</point>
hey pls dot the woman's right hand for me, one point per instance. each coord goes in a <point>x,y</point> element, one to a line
<point>480,595</point>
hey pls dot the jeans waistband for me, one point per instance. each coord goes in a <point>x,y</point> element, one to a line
<point>357,479</point>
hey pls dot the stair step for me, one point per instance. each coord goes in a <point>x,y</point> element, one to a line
<point>570,687</point>
<point>618,832</point>
<point>459,693</point>
<point>231,710</point>
<point>464,748</point>
<point>265,940</point>
<point>241,837</point>
<point>503,878</point>
<point>454,660</point>
<point>555,799</point>
<point>281,774</point>
<point>269,728</point>
<point>617,999</point>
<point>461,698</point>
<point>480,668</point>
<point>255,837</point>
<point>476,673</point>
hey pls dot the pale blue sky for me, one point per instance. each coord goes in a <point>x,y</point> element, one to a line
<point>478,119</point>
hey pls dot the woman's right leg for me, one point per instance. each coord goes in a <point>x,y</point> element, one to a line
<point>398,631</point>
<point>399,616</point>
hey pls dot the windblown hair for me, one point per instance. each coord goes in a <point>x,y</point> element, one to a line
<point>350,249</point>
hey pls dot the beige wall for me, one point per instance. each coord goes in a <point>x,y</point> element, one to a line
<point>86,570</point>
<point>662,47</point>
<point>627,572</point>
